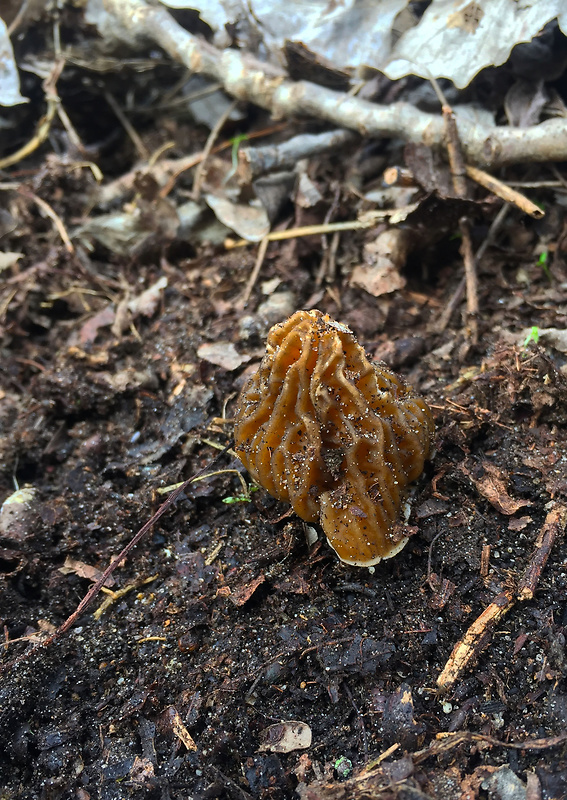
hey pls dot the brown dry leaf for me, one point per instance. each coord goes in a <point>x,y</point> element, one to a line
<point>492,485</point>
<point>383,258</point>
<point>223,354</point>
<point>73,566</point>
<point>285,737</point>
<point>243,593</point>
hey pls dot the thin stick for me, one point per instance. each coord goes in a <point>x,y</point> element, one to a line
<point>458,172</point>
<point>445,317</point>
<point>255,272</point>
<point>369,221</point>
<point>44,124</point>
<point>213,136</point>
<point>504,191</point>
<point>56,219</point>
<point>128,127</point>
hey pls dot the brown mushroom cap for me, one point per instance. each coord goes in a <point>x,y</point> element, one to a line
<point>340,438</point>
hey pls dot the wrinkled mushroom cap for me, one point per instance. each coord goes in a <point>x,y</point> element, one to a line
<point>340,438</point>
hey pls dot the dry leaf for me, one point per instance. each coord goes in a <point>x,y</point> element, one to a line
<point>492,485</point>
<point>223,354</point>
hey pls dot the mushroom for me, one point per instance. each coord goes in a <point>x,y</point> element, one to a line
<point>337,436</point>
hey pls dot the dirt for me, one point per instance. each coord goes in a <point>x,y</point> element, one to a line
<point>225,620</point>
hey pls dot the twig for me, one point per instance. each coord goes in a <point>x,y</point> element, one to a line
<point>504,191</point>
<point>128,127</point>
<point>554,525</point>
<point>268,87</point>
<point>255,272</point>
<point>476,637</point>
<point>458,172</point>
<point>255,161</point>
<point>471,278</point>
<point>369,220</point>
<point>448,312</point>
<point>213,136</point>
<point>446,742</point>
<point>12,28</point>
<point>55,218</point>
<point>44,124</point>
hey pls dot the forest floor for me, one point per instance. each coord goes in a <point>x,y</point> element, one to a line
<point>224,621</point>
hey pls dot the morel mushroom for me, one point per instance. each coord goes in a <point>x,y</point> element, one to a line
<point>321,427</point>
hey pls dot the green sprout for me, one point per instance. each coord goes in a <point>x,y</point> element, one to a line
<point>240,498</point>
<point>533,336</point>
<point>343,767</point>
<point>543,262</point>
<point>236,141</point>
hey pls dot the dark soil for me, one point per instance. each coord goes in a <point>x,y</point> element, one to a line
<point>232,622</point>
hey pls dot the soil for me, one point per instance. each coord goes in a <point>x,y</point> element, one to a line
<point>227,619</point>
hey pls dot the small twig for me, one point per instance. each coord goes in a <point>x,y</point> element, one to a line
<point>504,191</point>
<point>44,124</point>
<point>255,272</point>
<point>446,742</point>
<point>141,148</point>
<point>476,637</point>
<point>554,525</point>
<point>256,161</point>
<point>458,173</point>
<point>471,278</point>
<point>329,251</point>
<point>494,229</point>
<point>370,220</point>
<point>207,475</point>
<point>55,218</point>
<point>45,207</point>
<point>12,28</point>
<point>213,136</point>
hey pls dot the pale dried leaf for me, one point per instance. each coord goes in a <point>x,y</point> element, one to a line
<point>456,40</point>
<point>223,354</point>
<point>249,222</point>
<point>8,259</point>
<point>146,302</point>
<point>383,258</point>
<point>9,78</point>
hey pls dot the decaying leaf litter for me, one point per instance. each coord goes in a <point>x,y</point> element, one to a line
<point>152,231</point>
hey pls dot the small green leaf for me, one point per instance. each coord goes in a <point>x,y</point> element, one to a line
<point>533,336</point>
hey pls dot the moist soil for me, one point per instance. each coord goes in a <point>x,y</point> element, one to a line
<point>228,618</point>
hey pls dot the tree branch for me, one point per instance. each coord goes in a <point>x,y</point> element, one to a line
<point>265,85</point>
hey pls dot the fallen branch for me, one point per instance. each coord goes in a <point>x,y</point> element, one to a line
<point>248,79</point>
